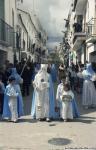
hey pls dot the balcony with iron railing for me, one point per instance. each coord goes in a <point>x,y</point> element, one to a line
<point>79,31</point>
<point>6,34</point>
<point>91,31</point>
<point>79,35</point>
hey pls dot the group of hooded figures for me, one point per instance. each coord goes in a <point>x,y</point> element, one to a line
<point>44,104</point>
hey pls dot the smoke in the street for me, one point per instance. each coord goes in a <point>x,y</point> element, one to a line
<point>51,13</point>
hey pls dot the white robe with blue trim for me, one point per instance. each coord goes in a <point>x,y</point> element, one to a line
<point>75,110</point>
<point>41,86</point>
<point>66,111</point>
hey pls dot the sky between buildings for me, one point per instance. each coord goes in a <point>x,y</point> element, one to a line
<point>51,13</point>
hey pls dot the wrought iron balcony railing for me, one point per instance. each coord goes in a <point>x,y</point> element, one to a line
<point>79,31</point>
<point>6,34</point>
<point>91,28</point>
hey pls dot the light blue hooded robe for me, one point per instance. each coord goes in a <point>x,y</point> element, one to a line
<point>51,102</point>
<point>6,110</point>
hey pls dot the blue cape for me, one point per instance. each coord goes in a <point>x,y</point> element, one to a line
<point>51,102</point>
<point>89,69</point>
<point>6,110</point>
<point>88,72</point>
<point>54,73</point>
<point>37,67</point>
<point>76,113</point>
<point>16,75</point>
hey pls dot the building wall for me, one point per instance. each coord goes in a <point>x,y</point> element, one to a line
<point>8,13</point>
<point>90,49</point>
<point>11,12</point>
<point>87,50</point>
<point>82,58</point>
<point>2,9</point>
<point>90,13</point>
<point>28,24</point>
<point>10,55</point>
<point>90,10</point>
<point>29,35</point>
<point>3,57</point>
<point>23,34</point>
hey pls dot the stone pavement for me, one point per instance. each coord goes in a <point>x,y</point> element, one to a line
<point>29,134</point>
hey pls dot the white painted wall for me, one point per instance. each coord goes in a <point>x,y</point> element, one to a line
<point>10,55</point>
<point>29,26</point>
<point>31,31</point>
<point>89,50</point>
<point>10,5</point>
<point>23,34</point>
<point>90,13</point>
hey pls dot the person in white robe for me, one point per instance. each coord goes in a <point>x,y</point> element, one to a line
<point>89,90</point>
<point>58,95</point>
<point>66,110</point>
<point>60,87</point>
<point>41,87</point>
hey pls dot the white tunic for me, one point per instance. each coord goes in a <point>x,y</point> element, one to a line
<point>89,91</point>
<point>11,92</point>
<point>59,94</point>
<point>41,85</point>
<point>66,111</point>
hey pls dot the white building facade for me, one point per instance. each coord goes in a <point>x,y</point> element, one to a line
<point>20,37</point>
<point>83,30</point>
<point>8,20</point>
<point>33,39</point>
<point>27,33</point>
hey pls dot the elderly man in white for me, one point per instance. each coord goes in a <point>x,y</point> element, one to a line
<point>41,87</point>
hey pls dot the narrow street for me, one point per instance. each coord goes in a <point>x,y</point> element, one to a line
<point>29,134</point>
<point>40,39</point>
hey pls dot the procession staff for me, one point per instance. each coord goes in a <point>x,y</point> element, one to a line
<point>23,67</point>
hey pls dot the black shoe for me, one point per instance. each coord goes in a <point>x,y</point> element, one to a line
<point>41,119</point>
<point>61,119</point>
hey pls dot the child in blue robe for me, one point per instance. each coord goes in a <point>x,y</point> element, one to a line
<point>11,95</point>
<point>6,111</point>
